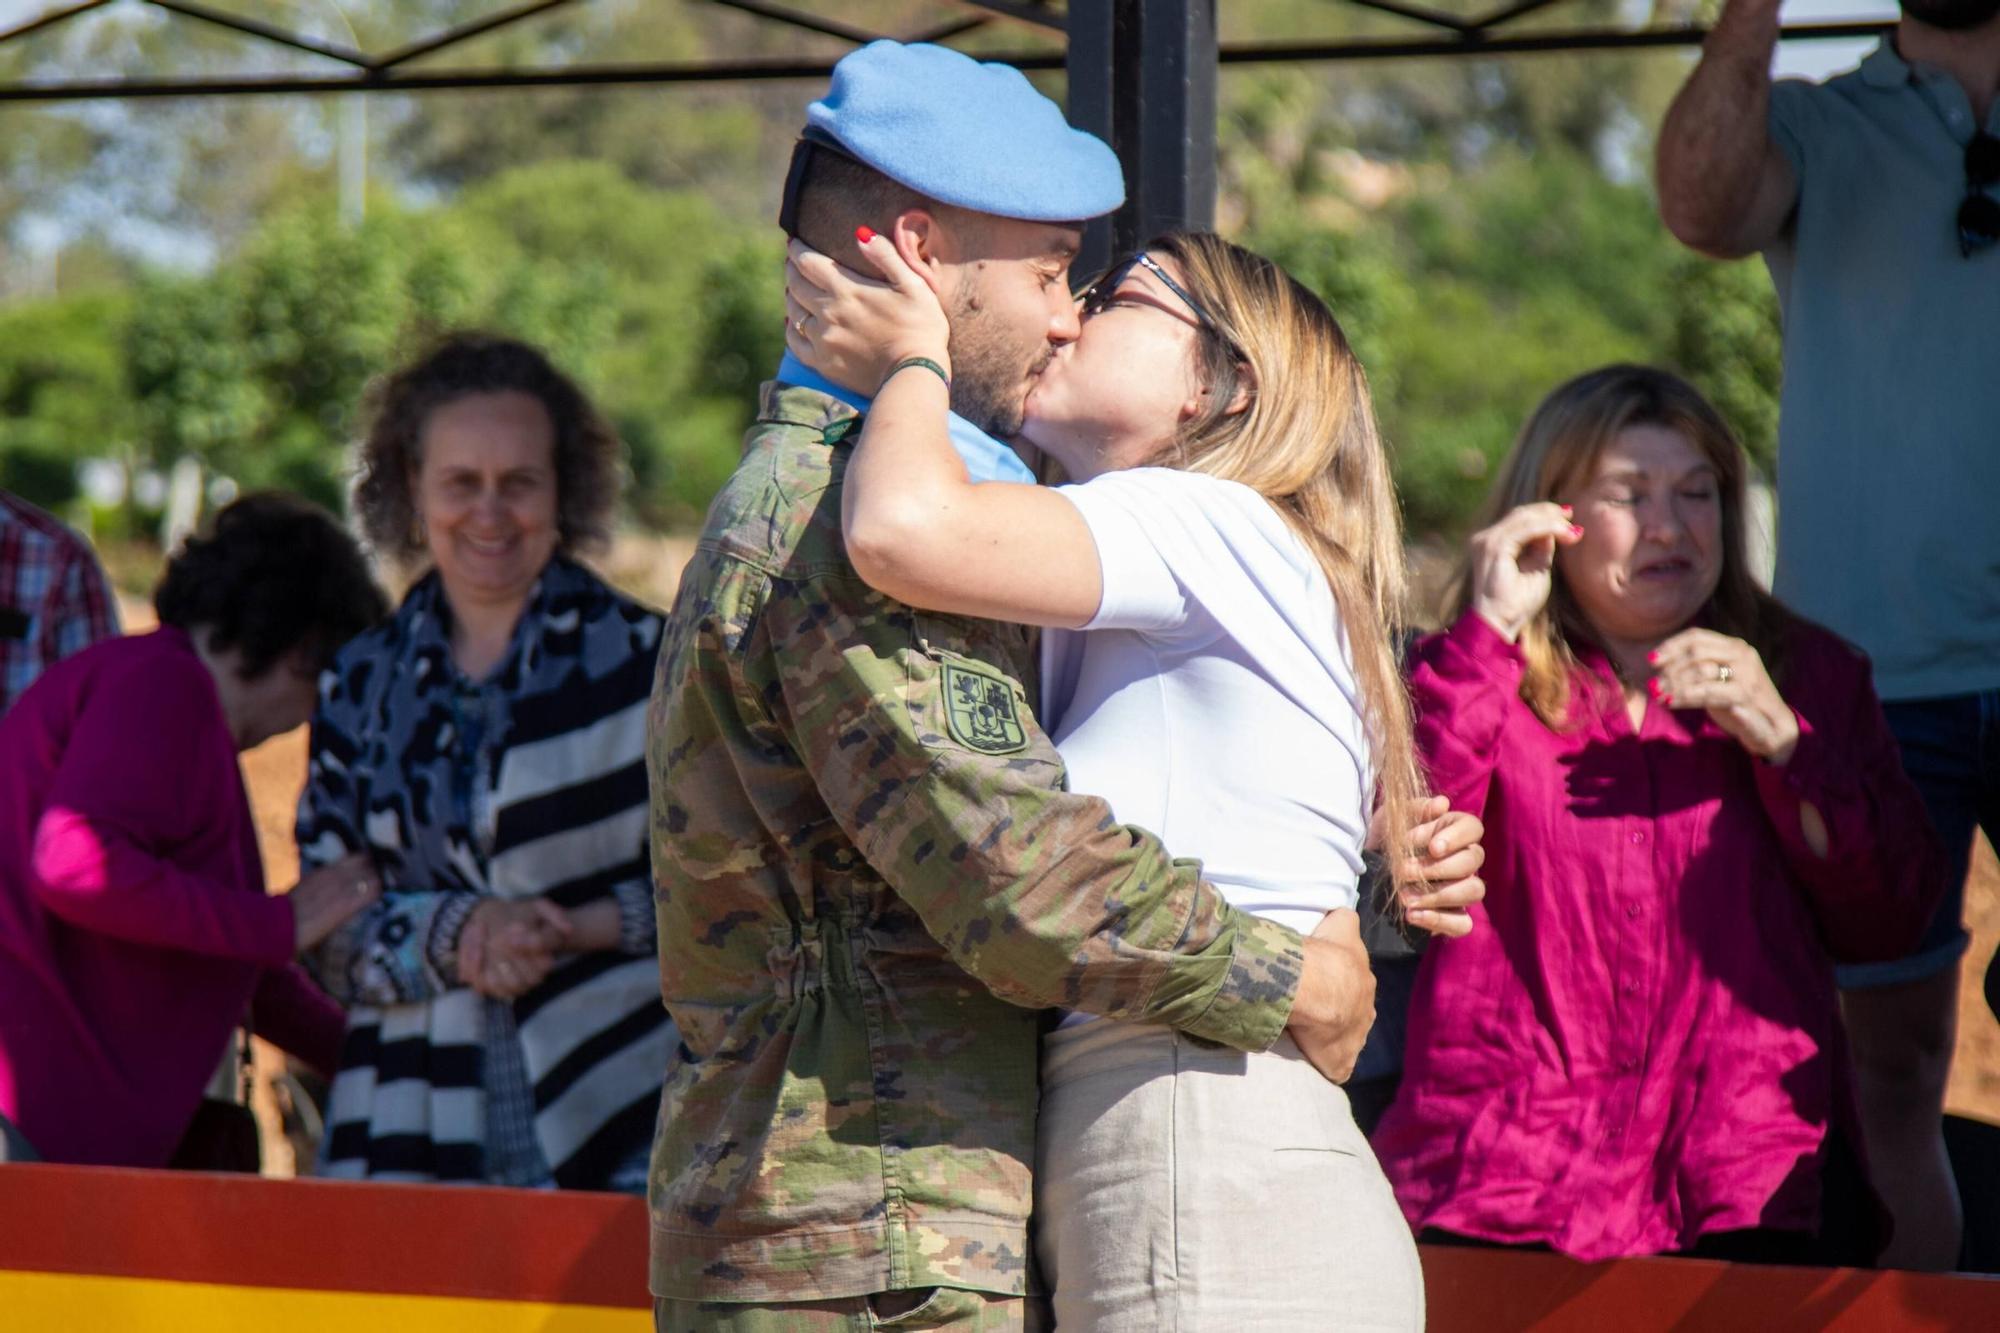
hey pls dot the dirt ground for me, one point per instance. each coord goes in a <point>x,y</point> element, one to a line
<point>648,569</point>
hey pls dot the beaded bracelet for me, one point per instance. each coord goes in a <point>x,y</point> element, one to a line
<point>923,361</point>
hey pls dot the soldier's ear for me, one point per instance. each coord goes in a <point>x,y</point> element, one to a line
<point>926,244</point>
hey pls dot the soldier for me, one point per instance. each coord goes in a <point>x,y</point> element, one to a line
<point>868,875</point>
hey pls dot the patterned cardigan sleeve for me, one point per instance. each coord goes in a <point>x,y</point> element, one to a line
<point>405,947</point>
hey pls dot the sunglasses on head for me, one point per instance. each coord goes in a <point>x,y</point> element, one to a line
<point>1979,214</point>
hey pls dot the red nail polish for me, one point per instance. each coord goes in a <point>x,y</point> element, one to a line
<point>864,234</point>
<point>1575,530</point>
<point>1653,687</point>
<point>1653,656</point>
<point>1567,511</point>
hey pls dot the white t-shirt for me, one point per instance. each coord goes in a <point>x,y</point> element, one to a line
<point>1212,699</point>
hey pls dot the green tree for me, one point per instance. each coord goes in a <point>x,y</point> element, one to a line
<point>1728,341</point>
<point>61,372</point>
<point>258,369</point>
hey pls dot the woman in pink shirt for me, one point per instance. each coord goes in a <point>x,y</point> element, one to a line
<point>135,932</point>
<point>1693,809</point>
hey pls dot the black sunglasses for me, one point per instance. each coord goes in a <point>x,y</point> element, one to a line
<point>1099,294</point>
<point>1979,215</point>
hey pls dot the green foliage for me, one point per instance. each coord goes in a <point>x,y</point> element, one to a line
<point>1469,296</point>
<point>189,371</point>
<point>41,474</point>
<point>1528,273</point>
<point>61,379</point>
<point>1483,230</point>
<point>1728,340</point>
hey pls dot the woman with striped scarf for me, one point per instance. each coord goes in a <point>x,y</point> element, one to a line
<point>485,748</point>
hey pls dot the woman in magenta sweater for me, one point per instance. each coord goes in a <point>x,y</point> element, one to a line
<point>135,931</point>
<point>1693,809</point>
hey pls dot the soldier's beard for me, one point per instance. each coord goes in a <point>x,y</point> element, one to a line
<point>1952,15</point>
<point>992,367</point>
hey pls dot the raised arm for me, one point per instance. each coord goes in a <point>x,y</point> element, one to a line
<point>1726,187</point>
<point>917,527</point>
<point>1464,682</point>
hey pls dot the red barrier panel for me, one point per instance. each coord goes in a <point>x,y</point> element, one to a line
<point>431,1257</point>
<point>324,1235</point>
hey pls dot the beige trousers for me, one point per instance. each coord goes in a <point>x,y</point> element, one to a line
<point>1185,1188</point>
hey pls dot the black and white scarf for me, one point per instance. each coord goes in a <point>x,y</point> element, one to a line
<point>558,809</point>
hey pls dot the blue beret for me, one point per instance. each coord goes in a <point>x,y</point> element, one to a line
<point>975,135</point>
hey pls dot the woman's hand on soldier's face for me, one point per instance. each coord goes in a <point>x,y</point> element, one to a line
<point>852,328</point>
<point>1513,564</point>
<point>1699,668</point>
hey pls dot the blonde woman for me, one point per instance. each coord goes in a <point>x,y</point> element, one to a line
<point>1694,809</point>
<point>1220,586</point>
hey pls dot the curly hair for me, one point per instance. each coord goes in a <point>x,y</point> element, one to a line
<point>275,574</point>
<point>589,456</point>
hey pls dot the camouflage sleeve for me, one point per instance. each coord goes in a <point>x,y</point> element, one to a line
<point>928,759</point>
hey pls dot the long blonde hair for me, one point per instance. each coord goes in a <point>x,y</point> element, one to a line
<point>1307,442</point>
<point>1557,451</point>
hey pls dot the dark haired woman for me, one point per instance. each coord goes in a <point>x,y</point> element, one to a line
<point>135,931</point>
<point>485,748</point>
<point>1693,810</point>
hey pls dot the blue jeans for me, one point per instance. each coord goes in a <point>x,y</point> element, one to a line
<point>1951,750</point>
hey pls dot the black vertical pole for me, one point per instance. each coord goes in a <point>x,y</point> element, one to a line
<point>1090,78</point>
<point>1142,77</point>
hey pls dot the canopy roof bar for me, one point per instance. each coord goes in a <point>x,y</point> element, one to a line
<point>1434,18</point>
<point>466,32</point>
<point>765,69</point>
<point>50,19</point>
<point>1453,37</point>
<point>1034,13</point>
<point>262,31</point>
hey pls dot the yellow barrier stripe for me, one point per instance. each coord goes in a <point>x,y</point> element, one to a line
<point>70,1303</point>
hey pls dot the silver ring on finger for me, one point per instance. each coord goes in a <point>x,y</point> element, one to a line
<point>1723,673</point>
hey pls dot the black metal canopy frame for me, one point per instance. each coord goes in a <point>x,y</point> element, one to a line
<point>1141,73</point>
<point>1495,33</point>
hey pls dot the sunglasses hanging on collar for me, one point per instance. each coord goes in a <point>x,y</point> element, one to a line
<point>1979,214</point>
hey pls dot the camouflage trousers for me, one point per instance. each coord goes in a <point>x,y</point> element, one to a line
<point>945,1308</point>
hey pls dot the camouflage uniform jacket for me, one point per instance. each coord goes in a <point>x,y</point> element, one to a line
<point>869,878</point>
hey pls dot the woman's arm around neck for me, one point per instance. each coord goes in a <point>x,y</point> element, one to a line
<point>921,531</point>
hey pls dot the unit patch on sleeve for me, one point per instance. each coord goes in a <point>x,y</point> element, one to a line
<point>980,711</point>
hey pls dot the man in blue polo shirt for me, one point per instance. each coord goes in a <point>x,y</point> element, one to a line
<point>1875,200</point>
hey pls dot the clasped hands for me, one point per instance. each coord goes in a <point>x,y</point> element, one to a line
<point>508,947</point>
